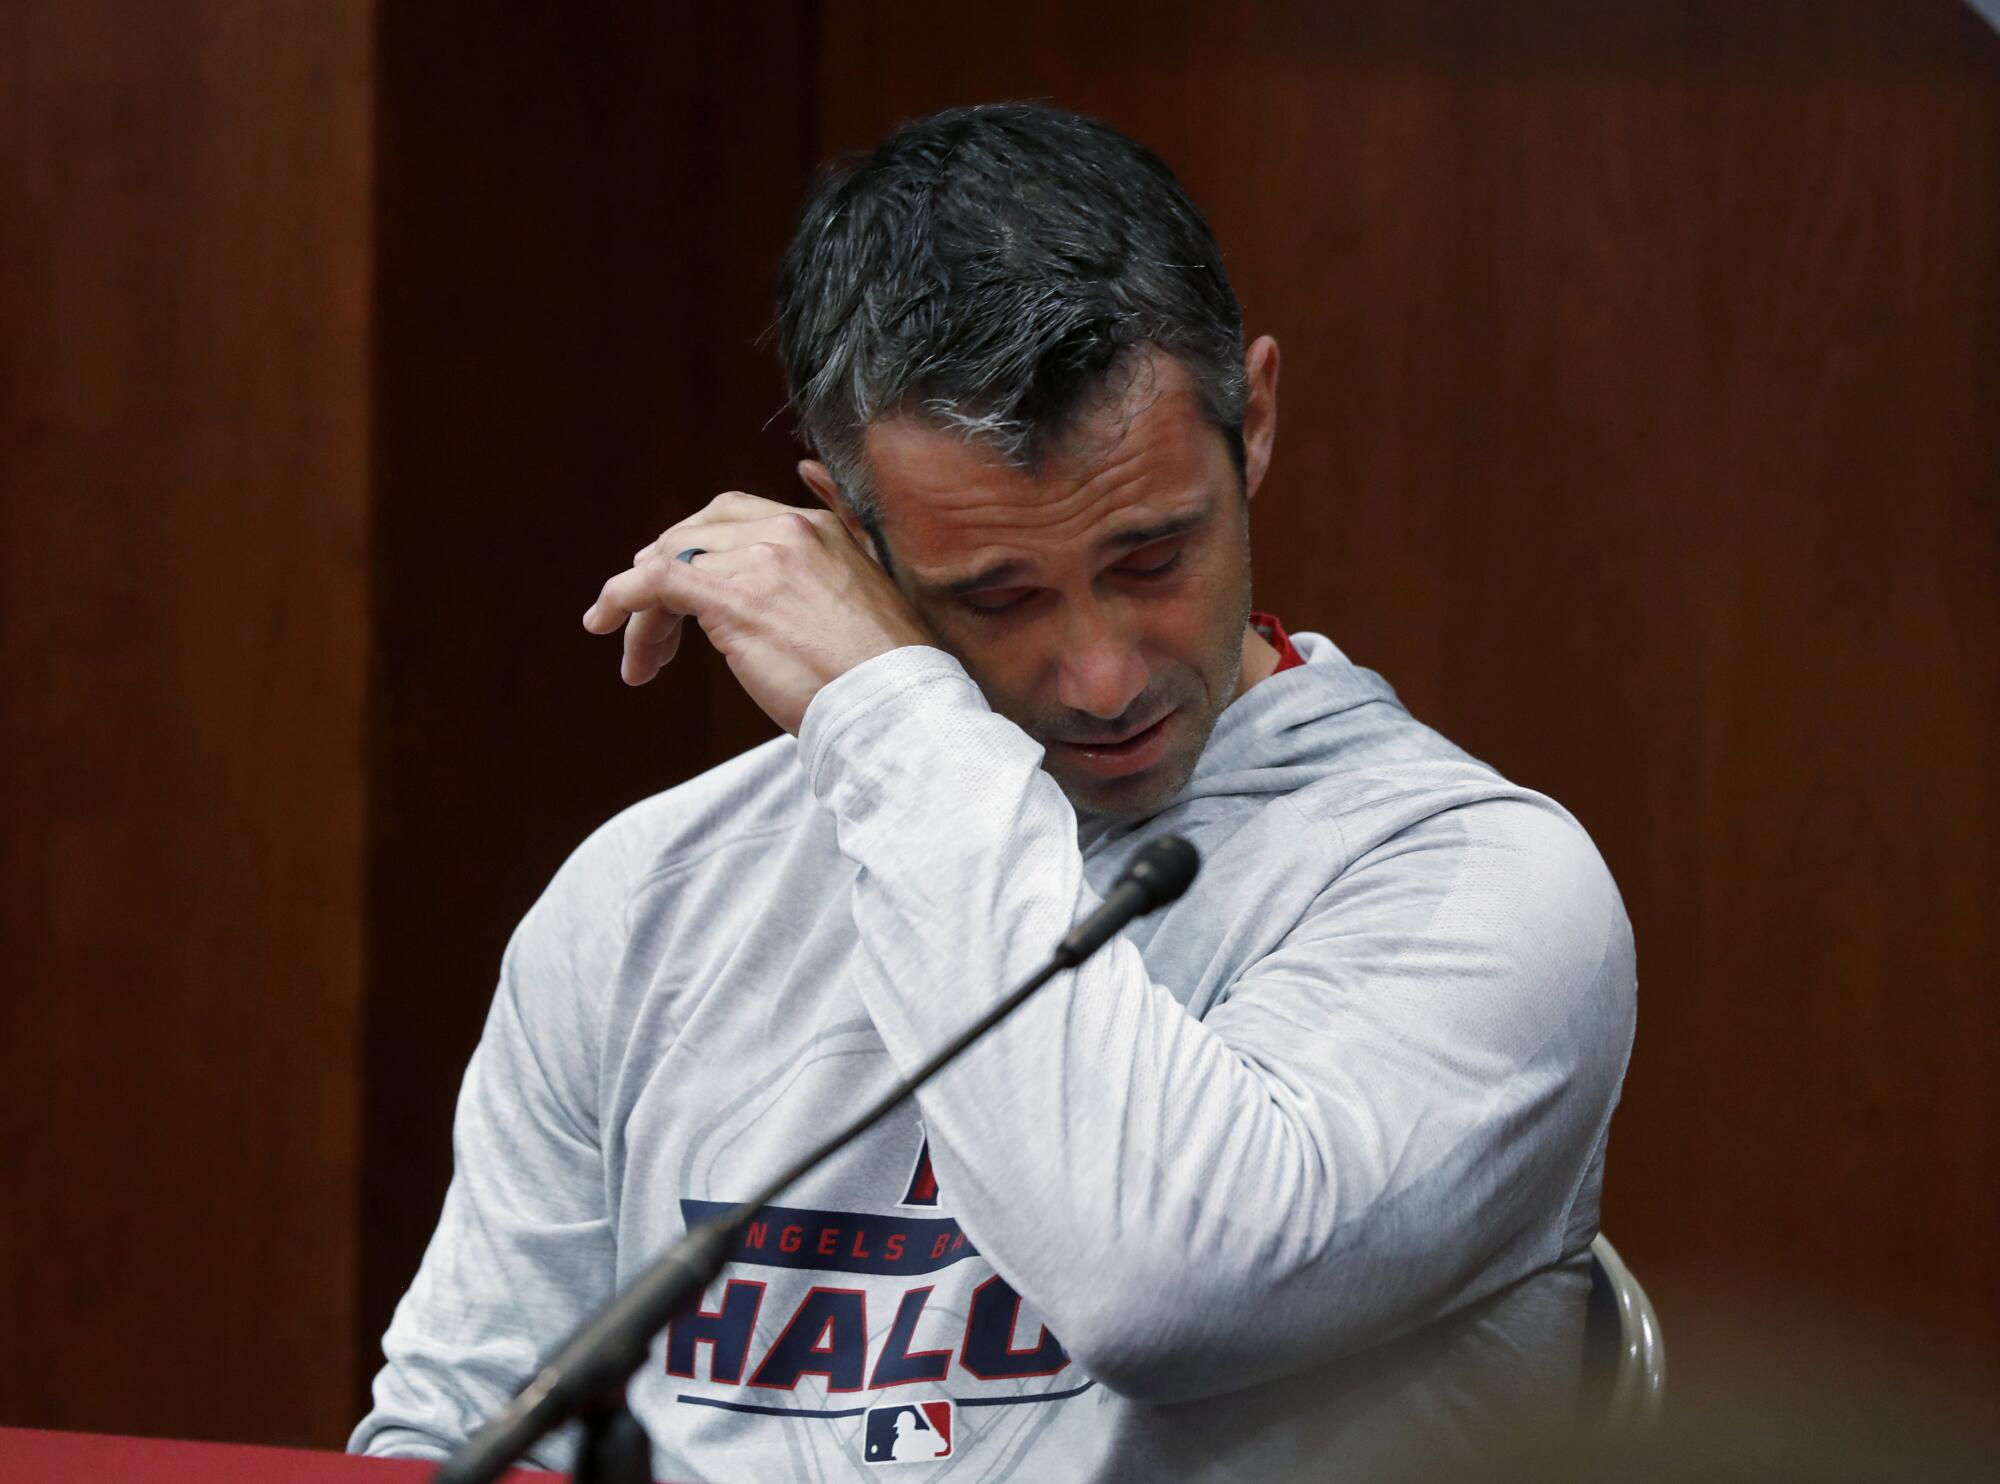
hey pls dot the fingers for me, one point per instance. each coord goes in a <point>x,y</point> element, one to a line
<point>635,590</point>
<point>652,639</point>
<point>642,585</point>
<point>733,507</point>
<point>653,598</point>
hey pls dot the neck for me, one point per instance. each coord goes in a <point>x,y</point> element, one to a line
<point>1259,660</point>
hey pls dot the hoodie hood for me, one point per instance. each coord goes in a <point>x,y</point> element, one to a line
<point>1279,735</point>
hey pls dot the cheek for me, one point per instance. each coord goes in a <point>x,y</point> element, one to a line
<point>1203,617</point>
<point>1190,625</point>
<point>1002,666</point>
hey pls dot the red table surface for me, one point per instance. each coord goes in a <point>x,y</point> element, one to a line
<point>32,1457</point>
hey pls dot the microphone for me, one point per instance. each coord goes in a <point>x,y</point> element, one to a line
<point>1159,873</point>
<point>586,1378</point>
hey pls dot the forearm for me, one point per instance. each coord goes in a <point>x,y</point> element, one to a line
<point>1053,1136</point>
<point>1189,1205</point>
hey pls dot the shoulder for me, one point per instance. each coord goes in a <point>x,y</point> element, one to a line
<point>1492,892</point>
<point>1393,785</point>
<point>581,925</point>
<point>757,792</point>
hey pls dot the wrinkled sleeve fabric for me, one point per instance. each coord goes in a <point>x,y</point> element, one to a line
<point>1387,1118</point>
<point>523,1250</point>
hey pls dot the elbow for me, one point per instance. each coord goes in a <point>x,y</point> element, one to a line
<point>1193,1305</point>
<point>1146,1363</point>
<point>1161,1335</point>
<point>1149,1381</point>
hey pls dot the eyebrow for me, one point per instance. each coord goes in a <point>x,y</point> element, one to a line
<point>1118,541</point>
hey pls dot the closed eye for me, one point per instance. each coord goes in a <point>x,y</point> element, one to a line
<point>1147,564</point>
<point>996,599</point>
<point>1153,561</point>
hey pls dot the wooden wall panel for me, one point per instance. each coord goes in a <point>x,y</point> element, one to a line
<point>184,202</point>
<point>581,211</point>
<point>1640,363</point>
<point>1637,423</point>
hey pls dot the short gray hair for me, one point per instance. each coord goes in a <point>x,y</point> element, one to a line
<point>988,269</point>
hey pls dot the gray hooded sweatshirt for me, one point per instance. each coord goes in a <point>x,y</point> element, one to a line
<point>1293,1177</point>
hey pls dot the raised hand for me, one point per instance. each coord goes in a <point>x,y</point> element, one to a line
<point>784,593</point>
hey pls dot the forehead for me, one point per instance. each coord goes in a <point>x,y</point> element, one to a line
<point>951,505</point>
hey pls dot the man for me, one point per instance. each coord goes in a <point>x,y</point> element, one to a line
<point>1292,1177</point>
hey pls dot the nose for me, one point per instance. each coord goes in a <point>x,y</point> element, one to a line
<point>1102,672</point>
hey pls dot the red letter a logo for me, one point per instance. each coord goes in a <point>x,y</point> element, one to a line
<point>923,1183</point>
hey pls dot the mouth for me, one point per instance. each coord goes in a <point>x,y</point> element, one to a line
<point>1132,753</point>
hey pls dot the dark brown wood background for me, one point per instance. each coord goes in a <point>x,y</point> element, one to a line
<point>1642,365</point>
<point>185,262</point>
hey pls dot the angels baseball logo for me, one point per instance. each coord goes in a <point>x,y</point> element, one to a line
<point>816,1338</point>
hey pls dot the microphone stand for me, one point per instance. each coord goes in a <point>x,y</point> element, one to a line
<point>587,1377</point>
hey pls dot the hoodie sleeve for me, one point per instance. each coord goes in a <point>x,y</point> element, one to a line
<point>1389,1117</point>
<point>523,1250</point>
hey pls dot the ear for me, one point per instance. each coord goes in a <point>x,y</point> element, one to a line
<point>819,479</point>
<point>1260,410</point>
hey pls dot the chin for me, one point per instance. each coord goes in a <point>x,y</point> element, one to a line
<point>1128,801</point>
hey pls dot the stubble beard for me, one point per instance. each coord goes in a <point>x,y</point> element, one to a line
<point>1120,802</point>
<point>1201,706</point>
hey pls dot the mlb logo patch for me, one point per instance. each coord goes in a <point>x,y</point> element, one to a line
<point>908,1432</point>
